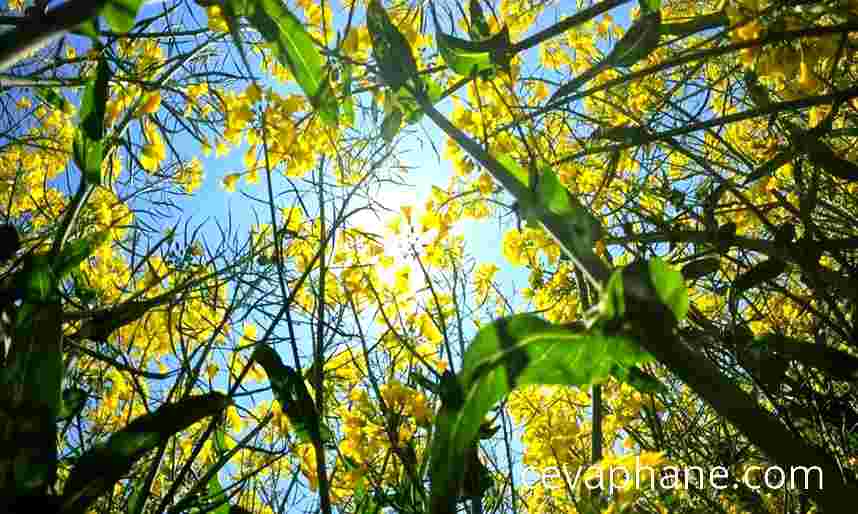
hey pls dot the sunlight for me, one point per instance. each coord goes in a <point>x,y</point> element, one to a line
<point>390,205</point>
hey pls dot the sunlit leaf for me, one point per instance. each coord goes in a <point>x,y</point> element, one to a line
<point>390,48</point>
<point>348,103</point>
<point>292,394</point>
<point>670,287</point>
<point>120,14</point>
<point>294,48</point>
<point>391,123</point>
<point>510,353</point>
<point>102,466</point>
<point>467,58</point>
<point>217,496</point>
<point>479,27</point>
<point>88,144</point>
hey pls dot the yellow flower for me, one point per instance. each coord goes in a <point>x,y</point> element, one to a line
<point>806,80</point>
<point>750,30</point>
<point>233,419</point>
<point>152,104</point>
<point>485,184</point>
<point>211,370</point>
<point>253,93</point>
<point>249,336</point>
<point>513,248</point>
<point>230,181</point>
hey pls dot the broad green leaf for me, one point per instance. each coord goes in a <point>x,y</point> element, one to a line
<point>612,303</point>
<point>412,113</point>
<point>348,113</point>
<point>292,394</point>
<point>74,400</point>
<point>220,440</point>
<point>390,49</point>
<point>468,58</point>
<point>635,45</point>
<point>102,466</point>
<point>89,29</point>
<point>294,48</point>
<point>649,5</point>
<point>640,380</point>
<point>510,353</point>
<point>77,251</point>
<point>670,287</point>
<point>37,278</point>
<point>120,14</point>
<point>391,124</point>
<point>88,144</point>
<point>217,496</point>
<point>515,168</point>
<point>138,497</point>
<point>482,58</point>
<point>640,40</point>
<point>32,381</point>
<point>479,27</point>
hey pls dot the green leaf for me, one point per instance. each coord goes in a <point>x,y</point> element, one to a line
<point>294,48</point>
<point>292,394</point>
<point>670,287</point>
<point>641,38</point>
<point>479,27</point>
<point>650,5</point>
<point>102,466</point>
<point>37,279</point>
<point>53,98</point>
<point>613,301</point>
<point>88,145</point>
<point>220,440</point>
<point>514,168</point>
<point>640,380</point>
<point>89,29</point>
<point>483,58</point>
<point>77,251</point>
<point>510,353</point>
<point>32,382</point>
<point>120,14</point>
<point>391,124</point>
<point>635,45</point>
<point>74,400</point>
<point>468,58</point>
<point>411,110</point>
<point>217,496</point>
<point>348,114</point>
<point>390,49</point>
